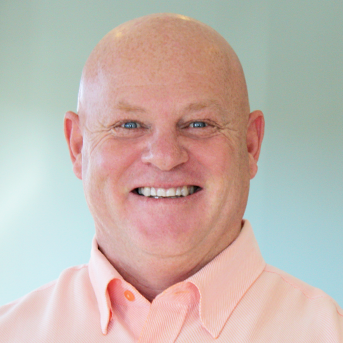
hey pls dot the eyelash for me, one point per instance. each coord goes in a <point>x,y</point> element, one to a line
<point>131,122</point>
<point>193,125</point>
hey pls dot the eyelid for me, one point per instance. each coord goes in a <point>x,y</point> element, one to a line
<point>198,121</point>
<point>131,121</point>
<point>208,123</point>
<point>121,123</point>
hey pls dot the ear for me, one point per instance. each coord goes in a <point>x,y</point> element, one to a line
<point>73,135</point>
<point>254,139</point>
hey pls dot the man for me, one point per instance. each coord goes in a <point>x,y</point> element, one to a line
<point>165,145</point>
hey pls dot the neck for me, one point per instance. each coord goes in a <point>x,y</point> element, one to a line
<point>151,274</point>
<point>152,277</point>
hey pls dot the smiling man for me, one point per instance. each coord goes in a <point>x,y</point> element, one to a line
<point>165,145</point>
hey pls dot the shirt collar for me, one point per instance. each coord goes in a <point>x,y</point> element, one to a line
<point>221,283</point>
<point>101,273</point>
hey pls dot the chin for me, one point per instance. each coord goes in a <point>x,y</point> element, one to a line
<point>168,237</point>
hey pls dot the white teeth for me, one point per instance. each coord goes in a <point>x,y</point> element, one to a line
<point>164,193</point>
<point>146,191</point>
<point>170,192</point>
<point>161,192</point>
<point>184,191</point>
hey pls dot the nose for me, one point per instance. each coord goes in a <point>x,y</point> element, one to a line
<point>164,151</point>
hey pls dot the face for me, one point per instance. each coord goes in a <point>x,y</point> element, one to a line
<point>165,165</point>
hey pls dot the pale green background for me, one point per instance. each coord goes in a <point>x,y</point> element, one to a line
<point>292,53</point>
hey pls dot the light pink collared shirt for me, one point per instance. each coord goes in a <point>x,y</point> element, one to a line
<point>235,298</point>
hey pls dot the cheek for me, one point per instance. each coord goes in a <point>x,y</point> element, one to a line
<point>228,169</point>
<point>107,165</point>
<point>218,157</point>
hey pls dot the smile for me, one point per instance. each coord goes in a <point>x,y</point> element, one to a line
<point>154,192</point>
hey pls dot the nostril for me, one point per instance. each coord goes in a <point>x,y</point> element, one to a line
<point>165,154</point>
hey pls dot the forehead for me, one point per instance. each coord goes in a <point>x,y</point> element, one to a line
<point>163,93</point>
<point>166,81</point>
<point>166,67</point>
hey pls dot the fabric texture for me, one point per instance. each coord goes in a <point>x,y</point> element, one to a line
<point>234,298</point>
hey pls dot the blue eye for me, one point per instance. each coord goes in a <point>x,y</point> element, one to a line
<point>198,124</point>
<point>131,125</point>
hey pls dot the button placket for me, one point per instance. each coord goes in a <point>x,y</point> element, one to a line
<point>166,318</point>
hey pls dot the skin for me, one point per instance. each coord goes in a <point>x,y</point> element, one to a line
<point>163,73</point>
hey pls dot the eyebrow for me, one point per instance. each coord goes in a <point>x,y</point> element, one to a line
<point>198,106</point>
<point>126,107</point>
<point>192,107</point>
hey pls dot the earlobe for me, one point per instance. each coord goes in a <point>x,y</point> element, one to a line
<point>73,135</point>
<point>255,135</point>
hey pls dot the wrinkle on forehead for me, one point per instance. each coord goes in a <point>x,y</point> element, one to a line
<point>161,48</point>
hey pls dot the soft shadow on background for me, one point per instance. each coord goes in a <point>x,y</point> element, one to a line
<point>292,54</point>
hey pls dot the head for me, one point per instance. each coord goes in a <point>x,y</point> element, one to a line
<point>163,105</point>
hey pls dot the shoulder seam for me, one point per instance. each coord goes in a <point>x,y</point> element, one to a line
<point>303,292</point>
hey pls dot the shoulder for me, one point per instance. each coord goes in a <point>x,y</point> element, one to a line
<point>281,308</point>
<point>302,305</point>
<point>67,280</point>
<point>298,287</point>
<point>46,303</point>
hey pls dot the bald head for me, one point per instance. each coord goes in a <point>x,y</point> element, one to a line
<point>161,48</point>
<point>165,147</point>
